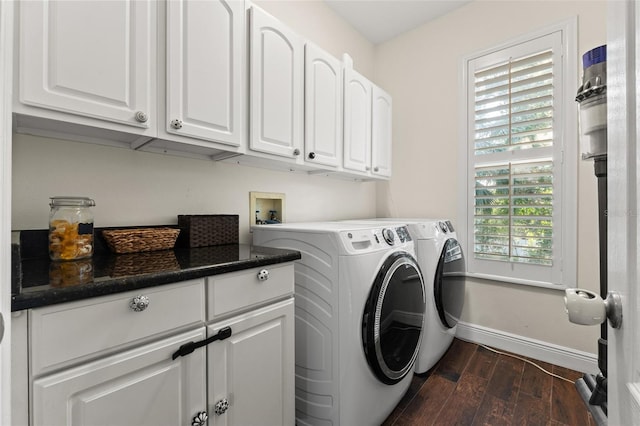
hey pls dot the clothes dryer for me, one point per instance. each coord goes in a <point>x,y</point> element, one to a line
<point>360,304</point>
<point>441,260</point>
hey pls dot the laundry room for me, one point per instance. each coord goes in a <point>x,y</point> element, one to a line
<point>69,136</point>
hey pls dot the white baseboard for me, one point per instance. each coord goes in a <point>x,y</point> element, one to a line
<point>558,355</point>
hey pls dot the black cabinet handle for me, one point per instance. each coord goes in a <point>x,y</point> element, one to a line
<point>187,348</point>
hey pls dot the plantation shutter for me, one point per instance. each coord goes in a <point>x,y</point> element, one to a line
<point>514,105</point>
<point>515,162</point>
<point>513,212</point>
<point>513,201</point>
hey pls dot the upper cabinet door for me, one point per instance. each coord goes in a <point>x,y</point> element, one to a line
<point>381,135</point>
<point>205,47</point>
<point>276,87</point>
<point>90,58</point>
<point>357,121</point>
<point>323,107</point>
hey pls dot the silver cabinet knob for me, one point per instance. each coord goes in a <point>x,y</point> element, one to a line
<point>139,303</point>
<point>141,117</point>
<point>200,419</point>
<point>221,407</point>
<point>376,169</point>
<point>296,152</point>
<point>367,168</point>
<point>263,275</point>
<point>176,124</point>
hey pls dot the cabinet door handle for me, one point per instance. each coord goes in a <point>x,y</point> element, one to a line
<point>200,419</point>
<point>187,348</point>
<point>141,117</point>
<point>176,124</point>
<point>221,406</point>
<point>296,152</point>
<point>139,303</point>
<point>263,275</point>
<point>376,169</point>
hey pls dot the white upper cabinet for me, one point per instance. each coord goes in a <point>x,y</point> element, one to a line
<point>204,80</point>
<point>381,134</point>
<point>276,81</point>
<point>92,59</point>
<point>357,121</point>
<point>209,79</point>
<point>323,107</point>
<point>367,126</point>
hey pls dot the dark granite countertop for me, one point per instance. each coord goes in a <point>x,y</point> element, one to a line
<point>36,281</point>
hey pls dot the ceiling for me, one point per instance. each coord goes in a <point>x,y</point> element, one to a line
<point>382,20</point>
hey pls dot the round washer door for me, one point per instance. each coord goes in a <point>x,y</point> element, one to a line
<point>448,288</point>
<point>392,319</point>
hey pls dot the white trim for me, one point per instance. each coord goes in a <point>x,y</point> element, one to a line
<point>500,278</point>
<point>6,102</point>
<point>548,352</point>
<point>569,141</point>
<point>623,222</point>
<point>634,396</point>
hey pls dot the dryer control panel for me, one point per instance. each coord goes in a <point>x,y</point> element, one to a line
<point>363,240</point>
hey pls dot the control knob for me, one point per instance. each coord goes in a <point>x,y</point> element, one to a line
<point>388,236</point>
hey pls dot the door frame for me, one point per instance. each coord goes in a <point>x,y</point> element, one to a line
<point>6,98</point>
<point>623,261</point>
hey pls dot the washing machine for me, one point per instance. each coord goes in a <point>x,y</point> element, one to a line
<point>359,307</point>
<point>441,260</point>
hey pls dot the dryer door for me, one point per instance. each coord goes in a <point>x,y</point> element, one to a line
<point>392,320</point>
<point>448,287</point>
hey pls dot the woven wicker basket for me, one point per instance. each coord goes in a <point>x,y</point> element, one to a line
<point>208,230</point>
<point>141,239</point>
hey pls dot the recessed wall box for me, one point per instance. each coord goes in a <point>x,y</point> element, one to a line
<point>266,208</point>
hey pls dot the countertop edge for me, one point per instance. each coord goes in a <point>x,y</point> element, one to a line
<point>47,297</point>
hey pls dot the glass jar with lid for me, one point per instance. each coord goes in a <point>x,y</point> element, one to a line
<point>70,228</point>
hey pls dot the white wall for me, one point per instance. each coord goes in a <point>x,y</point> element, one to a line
<point>314,20</point>
<point>137,188</point>
<point>420,69</point>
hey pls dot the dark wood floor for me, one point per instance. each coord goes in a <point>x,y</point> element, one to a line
<point>471,385</point>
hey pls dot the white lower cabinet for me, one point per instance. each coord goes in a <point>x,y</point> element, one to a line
<point>155,357</point>
<point>251,373</point>
<point>143,386</point>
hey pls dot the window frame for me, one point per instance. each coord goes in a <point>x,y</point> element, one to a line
<point>563,273</point>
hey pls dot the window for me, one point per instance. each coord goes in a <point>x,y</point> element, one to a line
<point>520,150</point>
